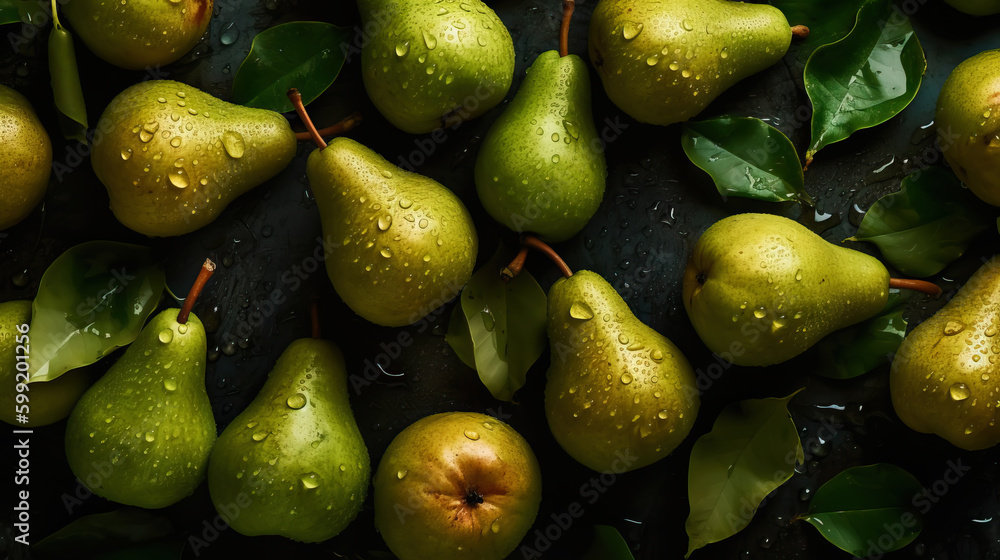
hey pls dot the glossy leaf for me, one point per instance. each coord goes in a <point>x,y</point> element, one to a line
<point>866,510</point>
<point>66,86</point>
<point>752,449</point>
<point>865,78</point>
<point>93,299</point>
<point>860,348</point>
<point>17,11</point>
<point>746,157</point>
<point>827,22</point>
<point>608,545</point>
<point>499,329</point>
<point>305,55</point>
<point>928,224</point>
<point>102,533</point>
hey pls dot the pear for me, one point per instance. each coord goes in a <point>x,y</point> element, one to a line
<point>142,434</point>
<point>619,395</point>
<point>944,377</point>
<point>173,157</point>
<point>968,124</point>
<point>49,401</point>
<point>761,289</point>
<point>541,166</point>
<point>293,462</point>
<point>434,63</point>
<point>139,34</point>
<point>456,485</point>
<point>25,156</point>
<point>976,7</point>
<point>662,62</point>
<point>403,243</point>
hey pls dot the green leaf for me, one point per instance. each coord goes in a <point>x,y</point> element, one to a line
<point>17,11</point>
<point>752,449</point>
<point>860,348</point>
<point>827,22</point>
<point>608,545</point>
<point>746,157</point>
<point>500,329</point>
<point>103,532</point>
<point>305,55</point>
<point>93,299</point>
<point>867,509</point>
<point>66,84</point>
<point>927,224</point>
<point>865,78</point>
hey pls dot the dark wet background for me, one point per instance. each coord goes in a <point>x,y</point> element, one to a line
<point>655,207</point>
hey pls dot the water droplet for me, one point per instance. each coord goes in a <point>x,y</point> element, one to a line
<point>686,73</point>
<point>405,203</point>
<point>170,384</point>
<point>656,355</point>
<point>233,143</point>
<point>572,129</point>
<point>402,49</point>
<point>384,222</point>
<point>991,330</point>
<point>259,436</point>
<point>481,40</point>
<point>798,275</point>
<point>495,526</point>
<point>580,310</point>
<point>472,434</point>
<point>166,335</point>
<point>309,480</point>
<point>230,34</point>
<point>626,378</point>
<point>150,437</point>
<point>175,142</point>
<point>252,424</point>
<point>429,40</point>
<point>182,329</point>
<point>631,29</point>
<point>178,178</point>
<point>759,313</point>
<point>724,53</point>
<point>959,392</point>
<point>674,66</point>
<point>651,61</point>
<point>126,153</point>
<point>296,401</point>
<point>953,328</point>
<point>662,415</point>
<point>385,252</point>
<point>687,25</point>
<point>623,338</point>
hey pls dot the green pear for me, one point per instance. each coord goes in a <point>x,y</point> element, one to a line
<point>619,394</point>
<point>761,289</point>
<point>944,378</point>
<point>662,62</point>
<point>456,485</point>
<point>434,63</point>
<point>293,463</point>
<point>173,157</point>
<point>541,166</point>
<point>47,402</point>
<point>25,156</point>
<point>139,34</point>
<point>403,244</point>
<point>968,124</point>
<point>142,434</point>
<point>976,7</point>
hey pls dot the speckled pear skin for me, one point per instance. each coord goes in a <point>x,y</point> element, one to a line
<point>175,156</point>
<point>139,34</point>
<point>541,167</point>
<point>25,157</point>
<point>142,434</point>
<point>434,63</point>
<point>760,289</point>
<point>662,62</point>
<point>968,124</point>
<point>619,395</point>
<point>401,244</point>
<point>294,461</point>
<point>944,378</point>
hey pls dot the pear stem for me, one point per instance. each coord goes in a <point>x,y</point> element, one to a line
<point>800,31</point>
<point>314,312</point>
<point>199,283</point>
<point>353,120</point>
<point>296,98</point>
<point>924,286</point>
<point>539,245</point>
<point>55,16</point>
<point>568,7</point>
<point>515,266</point>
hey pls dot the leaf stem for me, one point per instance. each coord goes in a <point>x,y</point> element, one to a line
<point>353,120</point>
<point>568,7</point>
<point>296,98</point>
<point>314,313</point>
<point>916,285</point>
<point>800,31</point>
<point>199,283</point>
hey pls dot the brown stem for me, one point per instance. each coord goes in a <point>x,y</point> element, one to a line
<point>343,126</point>
<point>296,98</point>
<point>314,312</point>
<point>800,31</point>
<point>538,244</point>
<point>515,266</point>
<point>568,7</point>
<point>916,285</point>
<point>199,283</point>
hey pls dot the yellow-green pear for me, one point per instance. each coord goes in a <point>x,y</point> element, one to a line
<point>945,379</point>
<point>968,124</point>
<point>25,157</point>
<point>664,61</point>
<point>401,244</point>
<point>456,485</point>
<point>541,167</point>
<point>428,64</point>
<point>761,289</point>
<point>619,395</point>
<point>139,34</point>
<point>174,157</point>
<point>976,7</point>
<point>293,463</point>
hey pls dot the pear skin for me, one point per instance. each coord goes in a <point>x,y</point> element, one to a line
<point>620,395</point>
<point>760,289</point>
<point>295,453</point>
<point>976,7</point>
<point>25,156</point>
<point>944,378</point>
